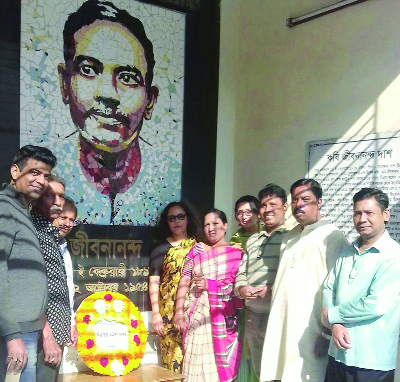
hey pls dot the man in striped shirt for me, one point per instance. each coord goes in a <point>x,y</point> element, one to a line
<point>258,268</point>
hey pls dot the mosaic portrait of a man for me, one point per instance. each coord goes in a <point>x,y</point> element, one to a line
<point>102,87</point>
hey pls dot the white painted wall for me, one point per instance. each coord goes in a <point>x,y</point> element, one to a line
<point>228,96</point>
<point>281,88</point>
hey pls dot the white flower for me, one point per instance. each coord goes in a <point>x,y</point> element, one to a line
<point>118,305</point>
<point>117,367</point>
<point>100,306</point>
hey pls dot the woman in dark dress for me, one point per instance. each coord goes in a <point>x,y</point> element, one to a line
<point>178,227</point>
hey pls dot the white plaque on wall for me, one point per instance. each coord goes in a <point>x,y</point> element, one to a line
<point>344,166</point>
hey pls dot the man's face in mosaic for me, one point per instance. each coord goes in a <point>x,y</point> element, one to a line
<point>105,86</point>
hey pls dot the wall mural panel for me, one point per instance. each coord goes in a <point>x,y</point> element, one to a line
<point>102,86</point>
<point>92,97</point>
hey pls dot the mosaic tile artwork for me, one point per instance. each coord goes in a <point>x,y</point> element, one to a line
<point>116,131</point>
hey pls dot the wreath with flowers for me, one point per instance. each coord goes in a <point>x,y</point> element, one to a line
<point>112,335</point>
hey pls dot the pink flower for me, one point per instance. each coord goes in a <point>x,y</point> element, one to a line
<point>89,344</point>
<point>134,324</point>
<point>86,319</point>
<point>108,297</point>
<point>125,361</point>
<point>104,362</point>
<point>136,339</point>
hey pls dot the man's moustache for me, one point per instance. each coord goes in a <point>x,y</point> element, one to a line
<point>117,116</point>
<point>298,210</point>
<point>56,209</point>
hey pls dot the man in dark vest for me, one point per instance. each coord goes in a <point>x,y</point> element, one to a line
<point>56,332</point>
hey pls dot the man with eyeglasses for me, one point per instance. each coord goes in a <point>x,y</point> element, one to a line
<point>258,268</point>
<point>65,223</point>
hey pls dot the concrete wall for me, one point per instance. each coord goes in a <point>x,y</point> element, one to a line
<point>281,88</point>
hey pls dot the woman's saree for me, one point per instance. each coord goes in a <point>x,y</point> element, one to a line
<point>212,349</point>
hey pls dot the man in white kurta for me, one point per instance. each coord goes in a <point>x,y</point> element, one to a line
<point>295,346</point>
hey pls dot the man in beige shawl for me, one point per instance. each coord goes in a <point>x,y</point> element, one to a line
<point>295,346</point>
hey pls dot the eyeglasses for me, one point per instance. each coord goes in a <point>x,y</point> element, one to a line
<point>241,213</point>
<point>66,220</point>
<point>172,218</point>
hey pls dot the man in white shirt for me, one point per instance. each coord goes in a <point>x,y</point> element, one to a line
<point>295,349</point>
<point>65,223</point>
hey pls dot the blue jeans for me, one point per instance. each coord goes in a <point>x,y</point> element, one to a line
<point>29,372</point>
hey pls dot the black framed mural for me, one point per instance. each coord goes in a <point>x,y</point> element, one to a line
<point>125,95</point>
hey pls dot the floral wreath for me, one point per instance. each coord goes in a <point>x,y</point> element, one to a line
<point>115,308</point>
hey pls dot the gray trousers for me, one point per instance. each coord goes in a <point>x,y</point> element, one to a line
<point>255,328</point>
<point>45,372</point>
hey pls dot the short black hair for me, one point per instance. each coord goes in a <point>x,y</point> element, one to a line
<point>316,188</point>
<point>252,200</point>
<point>219,213</point>
<point>93,10</point>
<point>272,189</point>
<point>71,202</point>
<point>380,196</point>
<point>41,154</point>
<point>164,229</point>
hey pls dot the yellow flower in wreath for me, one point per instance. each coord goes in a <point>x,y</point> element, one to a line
<point>112,335</point>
